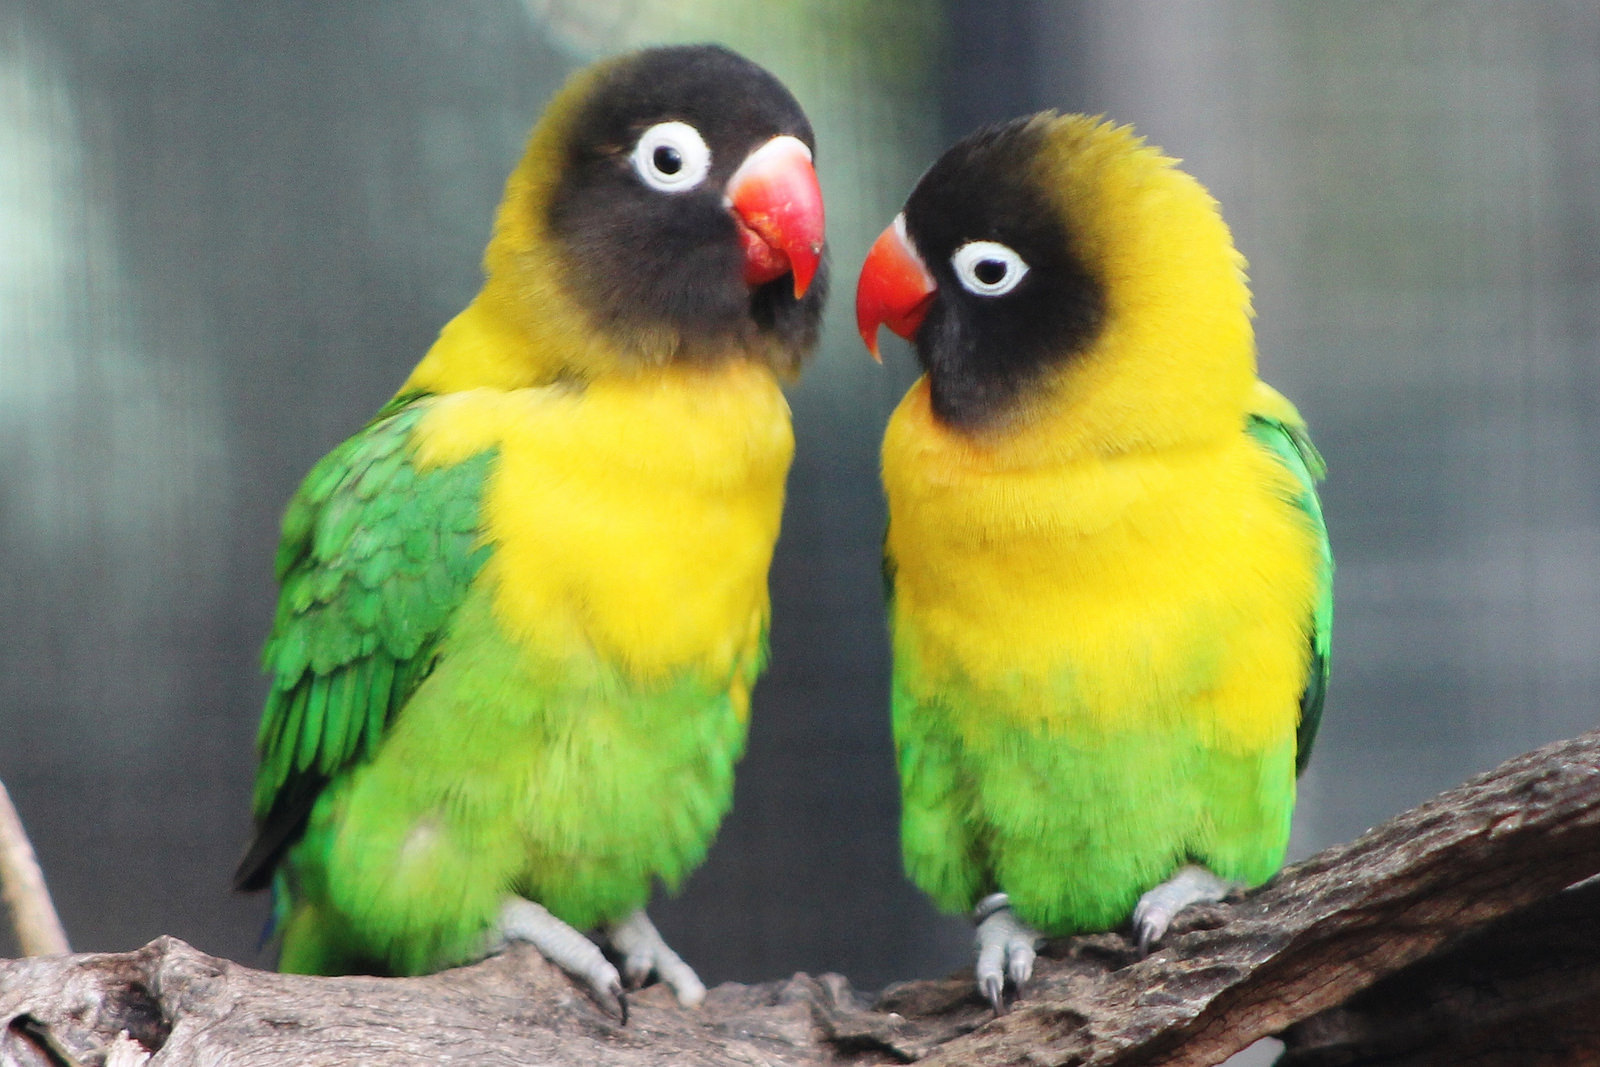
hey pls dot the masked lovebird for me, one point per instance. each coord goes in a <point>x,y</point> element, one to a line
<point>523,607</point>
<point>1109,574</point>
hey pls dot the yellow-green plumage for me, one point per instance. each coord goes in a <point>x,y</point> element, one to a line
<point>523,608</point>
<point>530,762</point>
<point>1111,589</point>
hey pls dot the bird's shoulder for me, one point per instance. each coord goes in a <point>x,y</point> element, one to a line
<point>378,551</point>
<point>1275,424</point>
<point>372,513</point>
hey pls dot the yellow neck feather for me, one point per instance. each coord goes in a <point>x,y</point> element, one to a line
<point>523,329</point>
<point>1175,361</point>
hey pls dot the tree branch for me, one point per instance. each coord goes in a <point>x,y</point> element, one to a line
<point>1524,990</point>
<point>1448,883</point>
<point>22,885</point>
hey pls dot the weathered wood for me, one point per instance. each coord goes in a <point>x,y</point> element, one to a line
<point>1524,990</point>
<point>1301,947</point>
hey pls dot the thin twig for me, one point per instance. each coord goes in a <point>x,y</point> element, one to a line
<point>33,916</point>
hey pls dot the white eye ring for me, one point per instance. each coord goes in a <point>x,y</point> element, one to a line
<point>988,268</point>
<point>666,144</point>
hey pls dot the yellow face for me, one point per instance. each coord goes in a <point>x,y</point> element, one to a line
<point>1083,296</point>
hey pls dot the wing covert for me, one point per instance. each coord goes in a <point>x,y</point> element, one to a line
<point>1278,427</point>
<point>376,555</point>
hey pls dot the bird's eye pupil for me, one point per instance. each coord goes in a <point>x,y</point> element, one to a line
<point>988,268</point>
<point>671,157</point>
<point>667,160</point>
<point>990,271</point>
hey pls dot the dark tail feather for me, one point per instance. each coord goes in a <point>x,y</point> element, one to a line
<point>282,827</point>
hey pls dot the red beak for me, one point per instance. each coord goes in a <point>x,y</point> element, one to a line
<point>895,289</point>
<point>777,202</point>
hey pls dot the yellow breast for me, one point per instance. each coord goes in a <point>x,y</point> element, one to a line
<point>634,518</point>
<point>1094,592</point>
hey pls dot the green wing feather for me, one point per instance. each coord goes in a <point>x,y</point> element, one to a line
<point>1282,432</point>
<point>376,555</point>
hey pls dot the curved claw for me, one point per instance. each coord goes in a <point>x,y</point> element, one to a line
<point>1020,954</point>
<point>1006,949</point>
<point>1192,884</point>
<point>613,1000</point>
<point>523,920</point>
<point>644,952</point>
<point>993,988</point>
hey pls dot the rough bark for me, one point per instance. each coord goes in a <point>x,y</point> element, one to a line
<point>1524,990</point>
<point>1459,900</point>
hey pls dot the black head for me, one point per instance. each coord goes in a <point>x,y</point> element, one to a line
<point>1043,304</point>
<point>653,252</point>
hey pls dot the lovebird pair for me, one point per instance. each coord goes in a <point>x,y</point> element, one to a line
<point>523,608</point>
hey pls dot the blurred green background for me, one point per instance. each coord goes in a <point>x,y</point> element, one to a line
<point>228,230</point>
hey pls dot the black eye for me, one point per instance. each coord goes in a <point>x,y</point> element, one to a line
<point>667,160</point>
<point>990,271</point>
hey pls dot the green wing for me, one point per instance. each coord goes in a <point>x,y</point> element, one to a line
<point>375,557</point>
<point>1277,426</point>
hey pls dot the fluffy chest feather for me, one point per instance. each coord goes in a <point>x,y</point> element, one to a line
<point>1102,593</point>
<point>633,519</point>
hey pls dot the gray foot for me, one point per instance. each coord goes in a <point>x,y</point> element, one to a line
<point>1005,948</point>
<point>523,920</point>
<point>1155,911</point>
<point>643,952</point>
